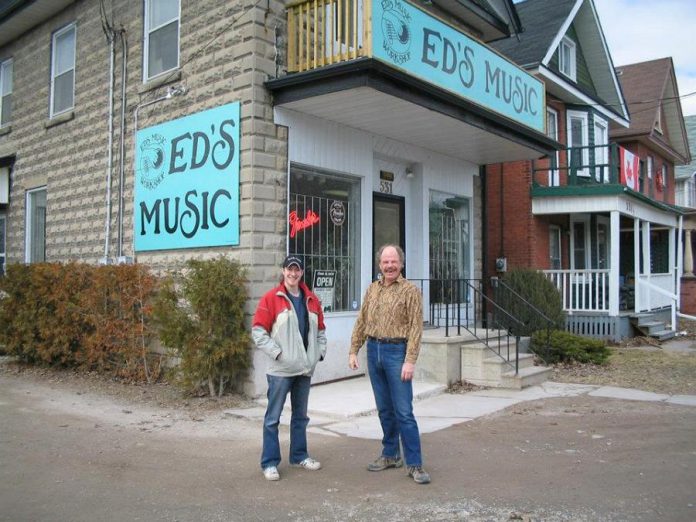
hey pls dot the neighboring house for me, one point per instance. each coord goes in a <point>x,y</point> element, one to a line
<point>156,131</point>
<point>685,181</point>
<point>657,137</point>
<point>609,249</point>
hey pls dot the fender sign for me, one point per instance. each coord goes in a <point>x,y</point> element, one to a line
<point>297,224</point>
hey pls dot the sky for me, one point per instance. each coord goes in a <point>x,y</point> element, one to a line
<point>642,30</point>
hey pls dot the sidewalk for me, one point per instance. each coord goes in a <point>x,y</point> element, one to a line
<point>347,407</point>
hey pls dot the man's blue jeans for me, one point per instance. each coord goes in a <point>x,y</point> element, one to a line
<point>278,388</point>
<point>394,399</point>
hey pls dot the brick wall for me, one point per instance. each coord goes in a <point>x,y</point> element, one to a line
<point>688,295</point>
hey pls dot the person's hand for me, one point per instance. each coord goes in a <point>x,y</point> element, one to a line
<point>353,361</point>
<point>407,371</point>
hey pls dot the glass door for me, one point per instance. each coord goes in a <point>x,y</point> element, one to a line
<point>387,225</point>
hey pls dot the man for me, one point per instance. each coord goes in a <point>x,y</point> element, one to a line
<point>391,319</point>
<point>288,326</point>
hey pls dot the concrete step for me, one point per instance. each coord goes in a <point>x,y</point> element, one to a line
<point>663,335</point>
<point>526,377</point>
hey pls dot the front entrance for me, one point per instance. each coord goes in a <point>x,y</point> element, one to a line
<point>388,223</point>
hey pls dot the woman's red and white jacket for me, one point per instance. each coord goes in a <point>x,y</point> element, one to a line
<point>276,332</point>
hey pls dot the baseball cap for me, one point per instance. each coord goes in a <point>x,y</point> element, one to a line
<point>293,260</point>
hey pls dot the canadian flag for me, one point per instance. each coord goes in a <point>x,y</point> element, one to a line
<point>630,165</point>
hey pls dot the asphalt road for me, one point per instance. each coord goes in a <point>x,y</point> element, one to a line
<point>73,456</point>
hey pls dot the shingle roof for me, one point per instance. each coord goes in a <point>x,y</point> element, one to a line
<point>643,85</point>
<point>541,21</point>
<point>688,170</point>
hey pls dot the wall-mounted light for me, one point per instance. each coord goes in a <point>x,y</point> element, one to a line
<point>409,173</point>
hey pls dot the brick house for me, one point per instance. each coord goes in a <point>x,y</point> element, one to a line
<point>573,215</point>
<point>155,131</point>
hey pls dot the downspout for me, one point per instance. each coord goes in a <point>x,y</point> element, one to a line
<point>107,224</point>
<point>121,161</point>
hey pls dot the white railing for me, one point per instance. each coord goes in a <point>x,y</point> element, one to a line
<point>582,290</point>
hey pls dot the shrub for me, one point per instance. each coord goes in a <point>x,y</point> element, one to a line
<point>535,289</point>
<point>561,346</point>
<point>79,316</point>
<point>200,314</point>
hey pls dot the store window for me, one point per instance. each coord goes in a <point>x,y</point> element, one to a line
<point>161,40</point>
<point>63,70</point>
<point>449,236</point>
<point>36,226</point>
<point>324,228</point>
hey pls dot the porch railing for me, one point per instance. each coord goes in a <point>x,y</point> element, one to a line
<point>324,32</point>
<point>577,166</point>
<point>582,290</point>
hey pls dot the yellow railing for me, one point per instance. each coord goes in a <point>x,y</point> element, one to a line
<point>323,32</point>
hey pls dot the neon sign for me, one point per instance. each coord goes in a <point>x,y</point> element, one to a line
<point>297,224</point>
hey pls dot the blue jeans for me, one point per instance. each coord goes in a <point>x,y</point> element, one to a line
<point>394,399</point>
<point>278,388</point>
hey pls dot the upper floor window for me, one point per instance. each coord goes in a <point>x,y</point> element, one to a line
<point>578,143</point>
<point>658,120</point>
<point>161,40</point>
<point>552,132</point>
<point>5,92</point>
<point>63,70</point>
<point>566,57</point>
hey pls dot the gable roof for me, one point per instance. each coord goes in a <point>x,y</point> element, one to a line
<point>544,25</point>
<point>651,91</point>
<point>686,171</point>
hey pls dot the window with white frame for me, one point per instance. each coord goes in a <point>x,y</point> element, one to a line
<point>161,39</point>
<point>651,166</point>
<point>63,70</point>
<point>601,150</point>
<point>578,142</point>
<point>3,221</point>
<point>566,58</point>
<point>35,241</point>
<point>555,247</point>
<point>552,132</point>
<point>5,92</point>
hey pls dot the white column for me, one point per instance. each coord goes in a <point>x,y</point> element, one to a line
<point>688,254</point>
<point>636,263</point>
<point>614,233</point>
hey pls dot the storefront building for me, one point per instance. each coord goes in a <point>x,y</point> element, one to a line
<point>198,129</point>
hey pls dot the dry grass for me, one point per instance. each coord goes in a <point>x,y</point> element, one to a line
<point>647,368</point>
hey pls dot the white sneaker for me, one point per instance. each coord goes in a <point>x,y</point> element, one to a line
<point>309,463</point>
<point>271,473</point>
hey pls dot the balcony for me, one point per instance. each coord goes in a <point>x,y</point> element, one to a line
<point>390,68</point>
<point>326,32</point>
<point>579,170</point>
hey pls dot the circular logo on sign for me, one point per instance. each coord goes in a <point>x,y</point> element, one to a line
<point>395,30</point>
<point>337,212</point>
<point>151,161</point>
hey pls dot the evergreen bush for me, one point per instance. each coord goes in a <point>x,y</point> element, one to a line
<point>200,314</point>
<point>536,290</point>
<point>559,346</point>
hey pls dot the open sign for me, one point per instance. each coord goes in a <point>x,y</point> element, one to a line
<point>323,283</point>
<point>324,279</point>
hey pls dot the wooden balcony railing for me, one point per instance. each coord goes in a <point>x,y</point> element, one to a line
<point>582,290</point>
<point>323,32</point>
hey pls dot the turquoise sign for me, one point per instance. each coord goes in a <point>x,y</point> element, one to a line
<point>412,40</point>
<point>187,182</point>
